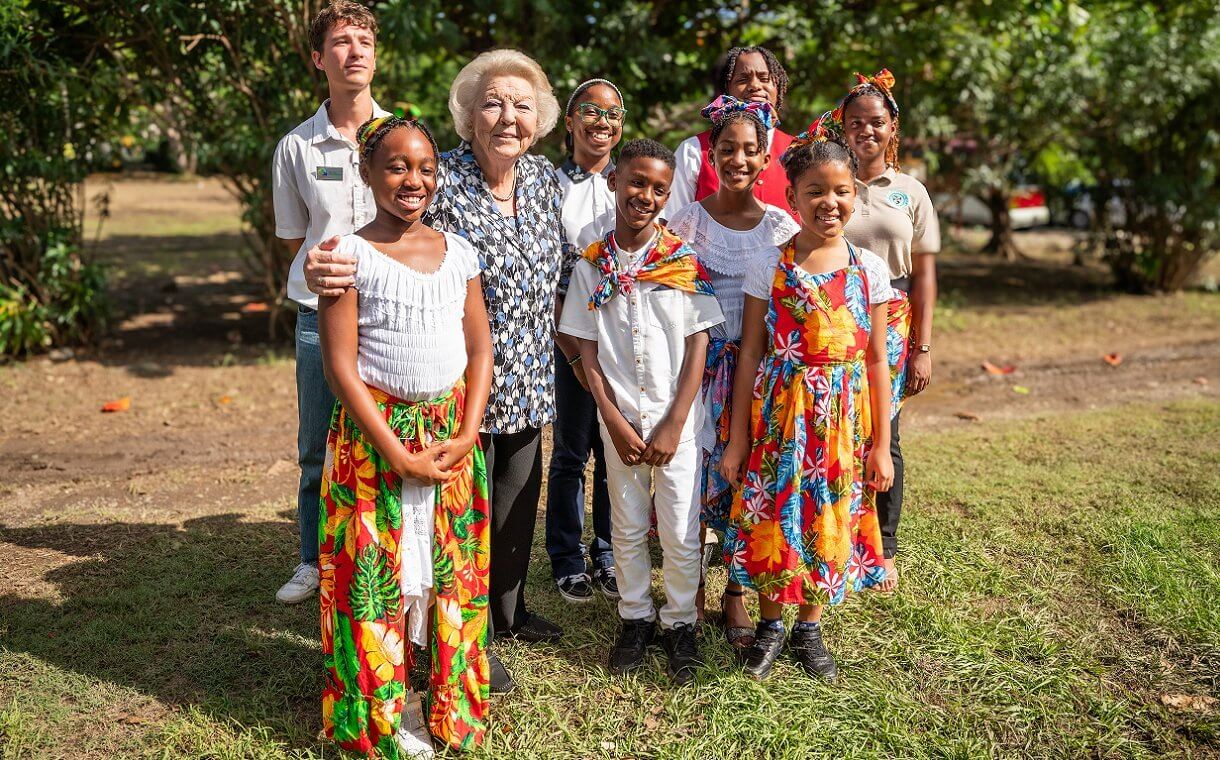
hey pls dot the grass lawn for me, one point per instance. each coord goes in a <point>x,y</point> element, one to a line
<point>1060,597</point>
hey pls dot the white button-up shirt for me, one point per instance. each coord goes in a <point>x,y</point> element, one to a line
<point>317,191</point>
<point>641,341</point>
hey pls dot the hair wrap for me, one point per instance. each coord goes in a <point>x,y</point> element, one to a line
<point>720,109</point>
<point>880,84</point>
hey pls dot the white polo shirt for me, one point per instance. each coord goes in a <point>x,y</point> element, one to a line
<point>641,340</point>
<point>317,191</point>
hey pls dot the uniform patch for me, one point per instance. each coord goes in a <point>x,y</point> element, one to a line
<point>334,173</point>
<point>898,199</point>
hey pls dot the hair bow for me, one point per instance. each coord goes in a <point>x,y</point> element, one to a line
<point>884,81</point>
<point>822,129</point>
<point>721,107</point>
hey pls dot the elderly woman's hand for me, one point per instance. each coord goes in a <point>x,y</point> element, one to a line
<point>327,272</point>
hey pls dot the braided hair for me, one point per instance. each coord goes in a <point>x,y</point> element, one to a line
<point>573,101</point>
<point>878,86</point>
<point>726,110</point>
<point>372,132</point>
<point>822,143</point>
<point>778,75</point>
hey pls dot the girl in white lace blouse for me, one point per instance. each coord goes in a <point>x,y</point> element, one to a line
<point>727,230</point>
<point>407,351</point>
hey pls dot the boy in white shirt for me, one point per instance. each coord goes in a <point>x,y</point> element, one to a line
<point>318,194</point>
<point>641,304</point>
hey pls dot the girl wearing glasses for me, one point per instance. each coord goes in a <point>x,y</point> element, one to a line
<point>594,118</point>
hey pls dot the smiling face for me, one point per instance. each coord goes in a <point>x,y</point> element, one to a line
<point>751,80</point>
<point>505,118</point>
<point>348,55</point>
<point>738,156</point>
<point>598,138</point>
<point>641,187</point>
<point>868,127</point>
<point>823,196</point>
<point>402,173</point>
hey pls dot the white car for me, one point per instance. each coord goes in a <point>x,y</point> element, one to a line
<point>1026,208</point>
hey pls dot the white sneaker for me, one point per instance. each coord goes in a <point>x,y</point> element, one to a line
<point>302,586</point>
<point>413,738</point>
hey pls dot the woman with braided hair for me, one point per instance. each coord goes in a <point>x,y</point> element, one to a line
<point>893,217</point>
<point>752,74</point>
<point>405,514</point>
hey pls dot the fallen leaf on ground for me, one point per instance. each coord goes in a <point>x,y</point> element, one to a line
<point>118,405</point>
<point>224,400</point>
<point>1201,381</point>
<point>993,369</point>
<point>1193,702</point>
<point>254,307</point>
<point>1020,389</point>
<point>1113,359</point>
<point>971,416</point>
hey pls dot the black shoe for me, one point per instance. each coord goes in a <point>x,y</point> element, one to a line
<point>605,581</point>
<point>760,658</point>
<point>810,651</point>
<point>501,681</point>
<point>629,650</point>
<point>536,630</point>
<point>683,653</point>
<point>576,588</point>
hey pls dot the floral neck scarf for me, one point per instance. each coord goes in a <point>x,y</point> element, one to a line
<point>668,262</point>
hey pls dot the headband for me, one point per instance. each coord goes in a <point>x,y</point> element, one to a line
<point>371,126</point>
<point>883,81</point>
<point>586,85</point>
<point>823,129</point>
<point>720,109</point>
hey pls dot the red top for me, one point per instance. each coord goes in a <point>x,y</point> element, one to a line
<point>772,184</point>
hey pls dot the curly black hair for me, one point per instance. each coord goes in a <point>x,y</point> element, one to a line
<point>778,74</point>
<point>644,148</point>
<point>803,155</point>
<point>760,129</point>
<point>372,132</point>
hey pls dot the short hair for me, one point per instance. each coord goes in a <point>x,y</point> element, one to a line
<point>340,11</point>
<point>643,147</point>
<point>467,88</point>
<point>805,154</point>
<point>778,74</point>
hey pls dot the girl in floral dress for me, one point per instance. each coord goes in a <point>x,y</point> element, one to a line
<point>727,229</point>
<point>809,443</point>
<point>404,505</point>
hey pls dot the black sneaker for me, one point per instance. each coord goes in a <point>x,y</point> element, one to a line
<point>760,658</point>
<point>683,653</point>
<point>629,650</point>
<point>605,581</point>
<point>810,651</point>
<point>501,681</point>
<point>536,629</point>
<point>576,588</point>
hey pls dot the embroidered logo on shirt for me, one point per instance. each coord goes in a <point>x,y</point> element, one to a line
<point>898,199</point>
<point>334,173</point>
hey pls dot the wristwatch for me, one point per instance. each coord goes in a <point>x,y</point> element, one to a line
<point>924,348</point>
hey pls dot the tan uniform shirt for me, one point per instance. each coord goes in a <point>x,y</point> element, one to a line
<point>894,218</point>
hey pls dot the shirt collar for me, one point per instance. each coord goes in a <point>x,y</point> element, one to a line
<point>324,130</point>
<point>886,177</point>
<point>578,175</point>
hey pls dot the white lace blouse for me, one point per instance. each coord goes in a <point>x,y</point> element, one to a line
<point>726,254</point>
<point>411,343</point>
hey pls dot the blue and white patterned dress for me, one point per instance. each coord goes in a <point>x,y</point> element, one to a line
<point>521,258</point>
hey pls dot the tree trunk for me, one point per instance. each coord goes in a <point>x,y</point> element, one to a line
<point>1002,242</point>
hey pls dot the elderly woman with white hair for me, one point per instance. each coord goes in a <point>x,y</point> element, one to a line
<point>507,203</point>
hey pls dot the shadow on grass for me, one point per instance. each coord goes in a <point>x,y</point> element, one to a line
<point>980,280</point>
<point>186,615</point>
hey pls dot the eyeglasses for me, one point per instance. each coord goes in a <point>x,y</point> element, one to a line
<point>591,114</point>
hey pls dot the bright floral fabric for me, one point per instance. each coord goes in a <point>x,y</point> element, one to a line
<point>803,528</point>
<point>898,348</point>
<point>668,262</point>
<point>366,654</point>
<point>718,390</point>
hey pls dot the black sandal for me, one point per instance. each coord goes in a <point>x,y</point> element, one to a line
<point>740,638</point>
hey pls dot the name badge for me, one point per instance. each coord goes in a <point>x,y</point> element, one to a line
<point>334,173</point>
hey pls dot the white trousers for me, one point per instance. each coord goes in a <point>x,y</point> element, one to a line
<point>674,491</point>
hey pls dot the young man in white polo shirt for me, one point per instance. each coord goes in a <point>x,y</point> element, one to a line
<point>318,194</point>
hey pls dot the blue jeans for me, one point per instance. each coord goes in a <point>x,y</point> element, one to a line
<point>315,403</point>
<point>575,435</point>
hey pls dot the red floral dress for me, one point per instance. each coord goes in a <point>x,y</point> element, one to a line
<point>804,528</point>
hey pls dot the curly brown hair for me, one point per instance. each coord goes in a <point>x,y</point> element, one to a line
<point>340,11</point>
